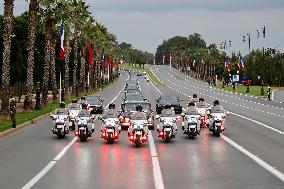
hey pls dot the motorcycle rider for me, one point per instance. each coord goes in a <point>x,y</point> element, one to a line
<point>140,115</point>
<point>62,110</point>
<point>85,113</point>
<point>191,110</point>
<point>110,113</point>
<point>193,99</point>
<point>215,109</point>
<point>82,101</point>
<point>167,113</point>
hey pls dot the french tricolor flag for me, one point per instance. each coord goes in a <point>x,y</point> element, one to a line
<point>61,54</point>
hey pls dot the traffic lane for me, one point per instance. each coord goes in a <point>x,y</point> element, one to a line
<point>198,161</point>
<point>25,152</point>
<point>260,114</point>
<point>209,162</point>
<point>97,163</point>
<point>278,96</point>
<point>199,84</point>
<point>265,143</point>
<point>264,116</point>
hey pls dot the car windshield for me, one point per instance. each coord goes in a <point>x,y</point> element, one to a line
<point>110,114</point>
<point>201,105</point>
<point>132,106</point>
<point>169,100</point>
<point>93,100</point>
<point>139,116</point>
<point>74,106</point>
<point>168,113</point>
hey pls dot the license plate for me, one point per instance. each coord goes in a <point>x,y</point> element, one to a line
<point>167,129</point>
<point>138,132</point>
<point>109,130</point>
<point>192,126</point>
<point>60,126</point>
<point>82,128</point>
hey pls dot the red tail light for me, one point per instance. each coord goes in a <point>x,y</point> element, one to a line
<point>161,134</point>
<point>145,137</point>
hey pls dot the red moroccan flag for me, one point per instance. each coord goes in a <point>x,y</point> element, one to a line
<point>90,54</point>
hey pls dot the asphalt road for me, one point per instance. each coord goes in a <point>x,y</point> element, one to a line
<point>278,96</point>
<point>34,157</point>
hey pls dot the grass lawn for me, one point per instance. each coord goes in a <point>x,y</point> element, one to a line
<point>149,73</point>
<point>23,117</point>
<point>254,90</point>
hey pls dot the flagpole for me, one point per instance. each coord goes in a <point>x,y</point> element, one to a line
<point>60,87</point>
<point>163,59</point>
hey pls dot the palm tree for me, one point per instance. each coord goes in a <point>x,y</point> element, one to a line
<point>52,71</point>
<point>7,37</point>
<point>31,49</point>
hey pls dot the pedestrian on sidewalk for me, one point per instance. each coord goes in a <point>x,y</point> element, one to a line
<point>13,111</point>
<point>269,93</point>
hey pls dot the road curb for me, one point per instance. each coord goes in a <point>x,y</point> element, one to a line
<point>23,125</point>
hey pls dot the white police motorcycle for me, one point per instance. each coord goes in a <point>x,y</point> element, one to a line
<point>191,124</point>
<point>61,125</point>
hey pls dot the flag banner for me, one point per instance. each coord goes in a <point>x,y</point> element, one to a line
<point>239,62</point>
<point>242,63</point>
<point>225,65</point>
<point>229,66</point>
<point>108,60</point>
<point>90,54</point>
<point>61,53</point>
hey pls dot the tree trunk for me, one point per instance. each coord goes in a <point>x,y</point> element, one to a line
<point>7,37</point>
<point>52,73</point>
<point>83,70</point>
<point>66,75</point>
<point>28,104</point>
<point>48,28</point>
<point>75,84</point>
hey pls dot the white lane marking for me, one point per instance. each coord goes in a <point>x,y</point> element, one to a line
<point>259,123</point>
<point>259,161</point>
<point>36,178</point>
<point>39,175</point>
<point>156,88</point>
<point>64,150</point>
<point>262,124</point>
<point>158,179</point>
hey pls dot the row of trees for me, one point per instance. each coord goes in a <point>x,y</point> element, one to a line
<point>191,54</point>
<point>30,50</point>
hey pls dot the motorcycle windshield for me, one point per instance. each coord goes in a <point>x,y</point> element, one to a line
<point>111,122</point>
<point>192,118</point>
<point>218,116</point>
<point>139,124</point>
<point>74,112</point>
<point>168,120</point>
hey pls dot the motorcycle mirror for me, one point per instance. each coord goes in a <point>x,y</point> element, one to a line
<point>208,112</point>
<point>51,115</point>
<point>100,118</point>
<point>227,113</point>
<point>182,114</point>
<point>157,117</point>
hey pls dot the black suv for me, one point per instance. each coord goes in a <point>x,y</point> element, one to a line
<point>94,104</point>
<point>165,102</point>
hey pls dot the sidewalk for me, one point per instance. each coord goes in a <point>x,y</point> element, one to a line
<point>20,105</point>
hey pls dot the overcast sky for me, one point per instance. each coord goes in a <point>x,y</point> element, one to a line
<point>146,23</point>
